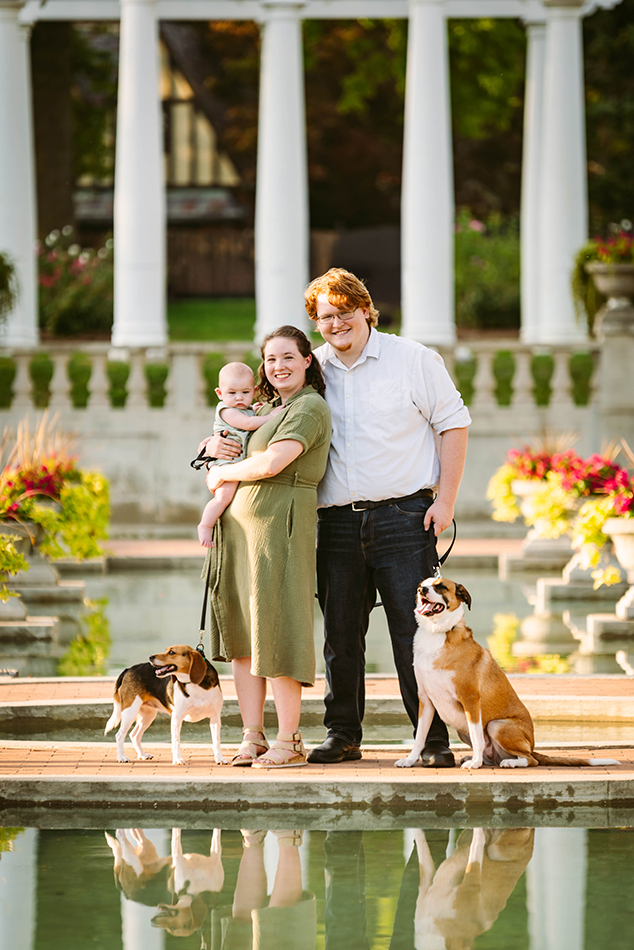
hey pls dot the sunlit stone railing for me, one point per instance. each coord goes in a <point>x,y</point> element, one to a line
<point>185,387</point>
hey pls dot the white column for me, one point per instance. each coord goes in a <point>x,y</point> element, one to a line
<point>564,194</point>
<point>281,199</point>
<point>556,887</point>
<point>531,181</point>
<point>18,892</point>
<point>17,174</point>
<point>139,194</point>
<point>427,202</point>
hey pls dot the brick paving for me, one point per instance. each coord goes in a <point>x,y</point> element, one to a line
<point>556,685</point>
<point>72,759</point>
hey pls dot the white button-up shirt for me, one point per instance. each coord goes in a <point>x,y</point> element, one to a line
<point>385,410</point>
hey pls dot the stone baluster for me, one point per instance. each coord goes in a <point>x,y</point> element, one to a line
<point>60,385</point>
<point>281,194</point>
<point>99,384</point>
<point>560,383</point>
<point>484,383</point>
<point>137,384</point>
<point>139,184</point>
<point>427,201</point>
<point>523,382</point>
<point>184,383</point>
<point>22,385</point>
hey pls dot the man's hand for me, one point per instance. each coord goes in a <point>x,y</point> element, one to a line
<point>220,448</point>
<point>441,514</point>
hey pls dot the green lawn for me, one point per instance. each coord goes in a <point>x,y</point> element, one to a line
<point>224,318</point>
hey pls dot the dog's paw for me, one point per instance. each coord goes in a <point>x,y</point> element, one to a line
<point>143,756</point>
<point>405,763</point>
<point>519,763</point>
<point>470,764</point>
<point>178,761</point>
<point>122,758</point>
<point>220,760</point>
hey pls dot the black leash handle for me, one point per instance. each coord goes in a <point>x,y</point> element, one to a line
<point>442,560</point>
<point>203,613</point>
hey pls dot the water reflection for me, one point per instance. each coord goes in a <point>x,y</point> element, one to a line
<point>419,889</point>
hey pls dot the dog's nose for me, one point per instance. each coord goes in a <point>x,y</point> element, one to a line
<point>153,655</point>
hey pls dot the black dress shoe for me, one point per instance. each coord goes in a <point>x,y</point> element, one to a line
<point>437,755</point>
<point>334,749</point>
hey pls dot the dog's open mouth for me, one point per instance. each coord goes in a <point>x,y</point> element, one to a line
<point>165,670</point>
<point>427,607</point>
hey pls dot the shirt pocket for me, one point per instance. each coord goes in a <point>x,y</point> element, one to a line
<point>387,397</point>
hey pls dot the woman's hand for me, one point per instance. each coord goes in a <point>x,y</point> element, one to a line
<point>220,448</point>
<point>215,478</point>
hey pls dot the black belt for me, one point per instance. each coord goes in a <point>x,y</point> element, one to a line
<point>370,505</point>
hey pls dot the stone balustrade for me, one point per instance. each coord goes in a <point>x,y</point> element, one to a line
<point>491,375</point>
<point>142,431</point>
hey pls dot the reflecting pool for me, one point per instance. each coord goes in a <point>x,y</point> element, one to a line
<point>413,889</point>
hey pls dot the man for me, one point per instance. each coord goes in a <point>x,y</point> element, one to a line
<point>390,400</point>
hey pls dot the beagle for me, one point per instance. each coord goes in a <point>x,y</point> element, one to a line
<point>461,680</point>
<point>179,682</point>
<point>192,876</point>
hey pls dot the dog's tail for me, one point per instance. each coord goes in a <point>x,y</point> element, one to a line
<point>115,718</point>
<point>565,761</point>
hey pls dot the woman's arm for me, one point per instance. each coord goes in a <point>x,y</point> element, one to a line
<point>264,465</point>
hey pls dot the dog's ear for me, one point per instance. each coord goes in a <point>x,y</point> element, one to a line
<point>463,594</point>
<point>197,668</point>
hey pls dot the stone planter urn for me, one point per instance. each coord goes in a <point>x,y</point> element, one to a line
<point>621,530</point>
<point>535,545</point>
<point>616,282</point>
<point>29,536</point>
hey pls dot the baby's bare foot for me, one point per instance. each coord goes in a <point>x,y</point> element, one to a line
<point>205,536</point>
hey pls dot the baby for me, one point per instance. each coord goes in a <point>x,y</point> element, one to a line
<point>236,418</point>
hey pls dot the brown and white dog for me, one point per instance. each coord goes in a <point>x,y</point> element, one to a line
<point>180,682</point>
<point>466,894</point>
<point>461,680</point>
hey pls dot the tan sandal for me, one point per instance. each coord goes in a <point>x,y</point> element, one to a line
<point>286,752</point>
<point>250,748</point>
<point>289,839</point>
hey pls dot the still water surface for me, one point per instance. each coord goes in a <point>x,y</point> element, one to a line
<point>492,889</point>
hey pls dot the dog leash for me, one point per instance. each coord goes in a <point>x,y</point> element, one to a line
<point>203,613</point>
<point>442,560</point>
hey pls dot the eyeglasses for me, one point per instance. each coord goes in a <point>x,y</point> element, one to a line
<point>329,317</point>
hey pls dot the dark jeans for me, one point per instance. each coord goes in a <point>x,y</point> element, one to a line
<point>359,552</point>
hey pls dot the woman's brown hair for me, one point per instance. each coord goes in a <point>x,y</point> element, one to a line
<point>314,376</point>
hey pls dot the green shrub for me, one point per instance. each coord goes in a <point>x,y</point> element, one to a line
<point>7,375</point>
<point>75,285</point>
<point>41,373</point>
<point>79,372</point>
<point>118,375</point>
<point>156,376</point>
<point>8,285</point>
<point>487,271</point>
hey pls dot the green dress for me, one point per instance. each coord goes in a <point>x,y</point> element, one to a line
<point>262,570</point>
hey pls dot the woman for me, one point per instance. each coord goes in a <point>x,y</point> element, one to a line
<point>262,570</point>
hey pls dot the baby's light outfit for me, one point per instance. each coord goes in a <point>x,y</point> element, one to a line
<point>240,435</point>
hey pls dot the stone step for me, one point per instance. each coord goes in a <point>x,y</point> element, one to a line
<point>62,592</point>
<point>28,631</point>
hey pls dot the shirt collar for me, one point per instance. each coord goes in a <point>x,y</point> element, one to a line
<point>371,349</point>
<point>307,389</point>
